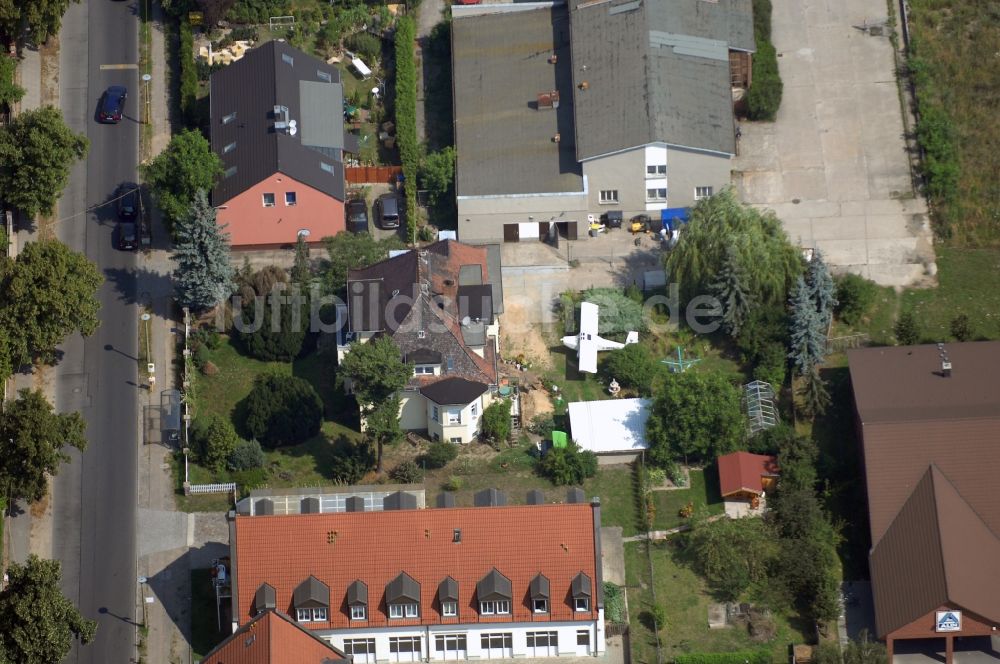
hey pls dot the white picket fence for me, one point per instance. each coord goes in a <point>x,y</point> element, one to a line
<point>226,487</point>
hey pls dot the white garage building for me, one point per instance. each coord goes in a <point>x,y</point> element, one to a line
<point>614,430</point>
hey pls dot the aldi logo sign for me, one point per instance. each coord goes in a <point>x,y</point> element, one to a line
<point>948,621</point>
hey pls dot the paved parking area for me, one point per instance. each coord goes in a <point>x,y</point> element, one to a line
<point>834,166</point>
<point>968,650</point>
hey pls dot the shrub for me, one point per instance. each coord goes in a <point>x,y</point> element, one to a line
<point>568,465</point>
<point>439,455</point>
<point>282,332</point>
<point>247,480</point>
<point>351,461</point>
<point>208,336</point>
<point>369,47</point>
<point>742,657</point>
<point>654,618</point>
<point>496,421</point>
<point>961,328</point>
<point>543,425</point>
<point>406,117</point>
<point>201,356</point>
<point>614,603</point>
<point>189,73</point>
<point>762,19</point>
<point>634,367</point>
<point>855,297</point>
<point>247,455</point>
<point>282,410</point>
<point>617,314</point>
<point>214,440</point>
<point>906,330</point>
<point>764,96</point>
<point>454,483</point>
<point>407,472</point>
<point>772,365</point>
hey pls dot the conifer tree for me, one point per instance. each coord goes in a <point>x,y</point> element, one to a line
<point>730,289</point>
<point>822,289</point>
<point>806,330</point>
<point>204,275</point>
<point>815,397</point>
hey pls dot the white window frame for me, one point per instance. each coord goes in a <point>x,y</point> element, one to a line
<point>289,202</point>
<point>303,615</point>
<point>442,642</point>
<point>703,192</point>
<point>263,199</point>
<point>581,604</point>
<point>350,646</point>
<point>359,612</point>
<point>319,614</point>
<point>542,639</point>
<point>395,611</point>
<point>540,605</point>
<point>608,196</point>
<point>414,642</point>
<point>454,416</point>
<point>656,194</point>
<point>435,414</point>
<point>411,610</point>
<point>474,410</point>
<point>656,170</point>
<point>423,370</point>
<point>449,609</point>
<point>456,440</point>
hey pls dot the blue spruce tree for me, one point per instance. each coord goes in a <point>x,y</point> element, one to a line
<point>808,336</point>
<point>204,276</point>
<point>822,290</point>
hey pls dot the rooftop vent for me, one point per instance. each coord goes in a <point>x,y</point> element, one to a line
<point>553,59</point>
<point>945,362</point>
<point>456,535</point>
<point>584,85</point>
<point>548,99</point>
<point>490,498</point>
<point>446,499</point>
<point>556,138</point>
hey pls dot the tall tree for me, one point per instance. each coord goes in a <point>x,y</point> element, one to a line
<point>730,289</point>
<point>906,329</point>
<point>38,624</point>
<point>184,168</point>
<point>382,426</point>
<point>815,397</point>
<point>822,290</point>
<point>301,273</point>
<point>769,259</point>
<point>33,20</point>
<point>36,152</point>
<point>10,92</point>
<point>808,337</point>
<point>204,274</point>
<point>697,415</point>
<point>33,440</point>
<point>49,292</point>
<point>349,251</point>
<point>731,553</point>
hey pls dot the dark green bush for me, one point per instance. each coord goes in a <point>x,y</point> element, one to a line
<point>766,88</point>
<point>283,333</point>
<point>282,410</point>
<point>855,297</point>
<point>439,455</point>
<point>496,421</point>
<point>568,465</point>
<point>406,116</point>
<point>772,364</point>
<point>740,657</point>
<point>213,440</point>
<point>257,11</point>
<point>614,603</point>
<point>188,74</point>
<point>369,47</point>
<point>961,328</point>
<point>634,367</point>
<point>906,329</point>
<point>654,618</point>
<point>351,461</point>
<point>406,472</point>
<point>201,356</point>
<point>762,20</point>
<point>246,456</point>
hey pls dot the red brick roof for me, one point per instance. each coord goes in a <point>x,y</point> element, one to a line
<point>374,547</point>
<point>742,471</point>
<point>273,638</point>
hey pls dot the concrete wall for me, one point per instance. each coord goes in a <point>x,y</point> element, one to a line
<point>687,169</point>
<point>412,411</point>
<point>625,172</point>
<point>481,219</point>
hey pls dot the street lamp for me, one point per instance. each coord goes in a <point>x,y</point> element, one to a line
<point>150,366</point>
<point>146,78</point>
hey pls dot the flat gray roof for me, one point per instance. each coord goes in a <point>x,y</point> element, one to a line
<point>504,142</point>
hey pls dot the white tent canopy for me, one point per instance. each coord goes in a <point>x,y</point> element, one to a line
<point>610,427</point>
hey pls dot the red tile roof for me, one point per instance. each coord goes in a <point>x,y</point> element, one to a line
<point>742,471</point>
<point>374,547</point>
<point>273,638</point>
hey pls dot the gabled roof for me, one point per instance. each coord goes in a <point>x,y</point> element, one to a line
<point>311,593</point>
<point>448,590</point>
<point>276,74</point>
<point>402,588</point>
<point>264,598</point>
<point>936,551</point>
<point>655,72</point>
<point>340,548</point>
<point>357,593</point>
<point>273,638</point>
<point>539,587</point>
<point>581,586</point>
<point>493,586</point>
<point>454,391</point>
<point>742,471</point>
<point>414,297</point>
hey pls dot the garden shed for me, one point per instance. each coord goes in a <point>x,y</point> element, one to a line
<point>614,429</point>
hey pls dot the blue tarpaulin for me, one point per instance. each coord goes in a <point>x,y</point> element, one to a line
<point>673,218</point>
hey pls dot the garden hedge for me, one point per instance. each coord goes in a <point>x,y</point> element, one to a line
<point>189,73</point>
<point>739,657</point>
<point>764,96</point>
<point>406,117</point>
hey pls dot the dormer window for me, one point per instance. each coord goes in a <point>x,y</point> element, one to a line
<point>311,600</point>
<point>491,607</point>
<point>448,594</point>
<point>494,594</point>
<point>538,592</point>
<point>402,596</point>
<point>449,609</point>
<point>357,600</point>
<point>581,592</point>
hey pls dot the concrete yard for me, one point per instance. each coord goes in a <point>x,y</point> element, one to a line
<point>834,166</point>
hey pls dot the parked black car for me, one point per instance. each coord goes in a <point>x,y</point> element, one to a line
<point>128,200</point>
<point>357,215</point>
<point>113,104</point>
<point>128,238</point>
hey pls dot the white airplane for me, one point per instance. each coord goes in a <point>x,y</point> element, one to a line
<point>587,343</point>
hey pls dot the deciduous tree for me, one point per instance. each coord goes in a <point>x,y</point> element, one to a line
<point>349,251</point>
<point>382,426</point>
<point>496,421</point>
<point>282,410</point>
<point>10,92</point>
<point>215,440</point>
<point>38,624</point>
<point>731,553</point>
<point>204,275</point>
<point>31,20</point>
<point>177,174</point>
<point>33,438</point>
<point>568,465</point>
<point>634,367</point>
<point>37,150</point>
<point>375,370</point>
<point>49,292</point>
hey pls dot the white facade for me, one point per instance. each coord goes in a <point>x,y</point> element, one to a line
<point>459,423</point>
<point>470,641</point>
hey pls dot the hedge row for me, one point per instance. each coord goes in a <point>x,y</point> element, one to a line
<point>936,135</point>
<point>739,657</point>
<point>189,72</point>
<point>406,117</point>
<point>614,603</point>
<point>766,88</point>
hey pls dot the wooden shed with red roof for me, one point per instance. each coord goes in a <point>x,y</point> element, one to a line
<point>744,479</point>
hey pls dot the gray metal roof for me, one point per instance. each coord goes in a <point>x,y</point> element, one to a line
<point>448,590</point>
<point>243,97</point>
<point>311,593</point>
<point>357,593</point>
<point>446,499</point>
<point>539,587</point>
<point>264,598</point>
<point>655,71</point>
<point>493,586</point>
<point>536,497</point>
<point>575,495</point>
<point>504,142</point>
<point>400,500</point>
<point>581,586</point>
<point>490,498</point>
<point>264,507</point>
<point>355,504</point>
<point>310,505</point>
<point>403,587</point>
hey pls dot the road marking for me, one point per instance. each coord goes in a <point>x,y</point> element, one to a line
<point>105,67</point>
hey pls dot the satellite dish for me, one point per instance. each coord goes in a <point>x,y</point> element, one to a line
<point>303,233</point>
<point>293,130</point>
<point>466,321</point>
<point>292,123</point>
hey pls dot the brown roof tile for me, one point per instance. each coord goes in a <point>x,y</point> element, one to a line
<point>742,471</point>
<point>374,547</point>
<point>273,638</point>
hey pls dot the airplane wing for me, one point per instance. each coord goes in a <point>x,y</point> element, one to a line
<point>588,354</point>
<point>588,319</point>
<point>607,344</point>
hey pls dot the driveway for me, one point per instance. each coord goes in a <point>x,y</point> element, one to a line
<point>968,650</point>
<point>834,166</point>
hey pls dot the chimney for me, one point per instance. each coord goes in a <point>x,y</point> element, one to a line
<point>584,85</point>
<point>556,138</point>
<point>553,59</point>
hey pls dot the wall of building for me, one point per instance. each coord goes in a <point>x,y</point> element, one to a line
<point>687,169</point>
<point>566,639</point>
<point>481,219</point>
<point>467,431</point>
<point>253,225</point>
<point>624,172</point>
<point>412,411</point>
<point>923,627</point>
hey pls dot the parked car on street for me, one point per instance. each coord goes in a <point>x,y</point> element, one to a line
<point>357,215</point>
<point>113,104</point>
<point>128,239</point>
<point>128,200</point>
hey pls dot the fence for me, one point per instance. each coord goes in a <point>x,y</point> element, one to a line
<point>840,344</point>
<point>371,174</point>
<point>223,487</point>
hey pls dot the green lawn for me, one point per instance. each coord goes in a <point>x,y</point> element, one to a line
<point>703,493</point>
<point>683,595</point>
<point>204,635</point>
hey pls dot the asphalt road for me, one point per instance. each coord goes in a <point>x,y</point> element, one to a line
<point>95,497</point>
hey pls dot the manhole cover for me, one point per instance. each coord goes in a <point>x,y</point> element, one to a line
<point>875,31</point>
<point>796,201</point>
